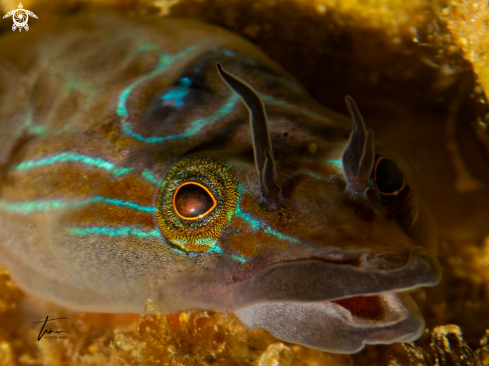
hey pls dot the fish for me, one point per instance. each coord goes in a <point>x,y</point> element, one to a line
<point>167,159</point>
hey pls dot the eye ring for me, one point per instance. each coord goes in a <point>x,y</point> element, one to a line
<point>397,191</point>
<point>208,175</point>
<point>198,217</point>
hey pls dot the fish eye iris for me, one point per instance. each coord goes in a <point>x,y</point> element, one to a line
<point>193,201</point>
<point>388,178</point>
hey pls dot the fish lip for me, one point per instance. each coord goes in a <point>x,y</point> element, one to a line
<point>316,280</point>
<point>330,327</point>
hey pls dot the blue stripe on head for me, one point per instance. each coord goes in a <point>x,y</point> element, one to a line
<point>175,96</point>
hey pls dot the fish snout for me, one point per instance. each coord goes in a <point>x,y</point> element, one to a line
<point>320,280</point>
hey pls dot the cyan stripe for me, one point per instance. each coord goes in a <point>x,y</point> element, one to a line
<point>73,157</point>
<point>338,163</point>
<point>123,231</point>
<point>194,128</point>
<point>30,126</point>
<point>165,62</point>
<point>150,176</point>
<point>257,224</point>
<point>48,205</point>
<point>239,259</point>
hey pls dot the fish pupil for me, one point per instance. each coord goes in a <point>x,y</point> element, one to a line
<point>192,201</point>
<point>388,177</point>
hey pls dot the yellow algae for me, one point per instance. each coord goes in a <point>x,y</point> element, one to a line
<point>468,22</point>
<point>275,355</point>
<point>6,355</point>
<point>11,295</point>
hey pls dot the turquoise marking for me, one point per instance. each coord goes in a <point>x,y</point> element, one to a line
<point>121,203</point>
<point>32,128</point>
<point>37,130</point>
<point>239,259</point>
<point>147,48</point>
<point>229,53</point>
<point>279,235</point>
<point>186,82</point>
<point>165,62</point>
<point>175,96</point>
<point>73,157</point>
<point>28,207</point>
<point>149,176</point>
<point>338,163</point>
<point>215,249</point>
<point>257,224</point>
<point>254,223</point>
<point>121,106</point>
<point>113,232</point>
<point>194,128</point>
<point>43,206</point>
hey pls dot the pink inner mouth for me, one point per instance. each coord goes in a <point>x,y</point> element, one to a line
<point>368,307</point>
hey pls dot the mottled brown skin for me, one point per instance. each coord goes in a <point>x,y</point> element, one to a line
<point>106,116</point>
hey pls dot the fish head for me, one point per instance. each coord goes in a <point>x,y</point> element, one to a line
<point>320,249</point>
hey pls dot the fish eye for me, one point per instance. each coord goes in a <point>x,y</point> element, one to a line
<point>388,178</point>
<point>193,201</point>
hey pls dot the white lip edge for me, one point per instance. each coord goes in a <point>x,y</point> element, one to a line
<point>397,310</point>
<point>408,310</point>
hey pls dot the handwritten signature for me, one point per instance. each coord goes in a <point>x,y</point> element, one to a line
<point>41,333</point>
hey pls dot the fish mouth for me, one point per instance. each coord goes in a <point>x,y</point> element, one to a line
<point>336,307</point>
<point>340,326</point>
<point>314,280</point>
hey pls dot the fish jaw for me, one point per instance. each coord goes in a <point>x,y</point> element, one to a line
<point>315,280</point>
<point>330,327</point>
<point>336,307</point>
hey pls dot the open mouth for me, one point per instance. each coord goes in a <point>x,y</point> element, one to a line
<point>342,326</point>
<point>377,311</point>
<point>367,307</point>
<point>337,307</point>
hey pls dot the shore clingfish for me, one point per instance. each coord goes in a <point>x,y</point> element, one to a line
<point>167,159</point>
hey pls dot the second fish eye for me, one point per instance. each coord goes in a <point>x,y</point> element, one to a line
<point>388,178</point>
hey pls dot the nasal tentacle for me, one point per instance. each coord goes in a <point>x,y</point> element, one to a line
<point>358,157</point>
<point>271,192</point>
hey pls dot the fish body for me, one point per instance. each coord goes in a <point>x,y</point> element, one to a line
<point>129,171</point>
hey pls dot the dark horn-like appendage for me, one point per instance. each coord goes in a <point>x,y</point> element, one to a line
<point>358,157</point>
<point>271,191</point>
